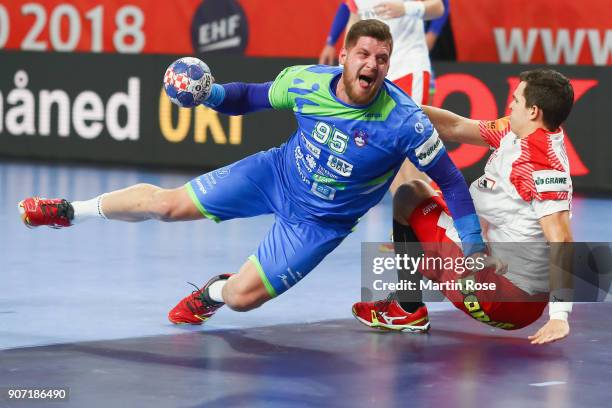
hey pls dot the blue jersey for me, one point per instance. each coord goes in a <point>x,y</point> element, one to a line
<point>336,166</point>
<point>341,159</point>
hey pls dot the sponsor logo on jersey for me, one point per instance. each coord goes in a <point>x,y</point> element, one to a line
<point>472,305</point>
<point>485,182</point>
<point>210,180</point>
<point>295,275</point>
<point>419,127</point>
<point>426,152</point>
<point>340,166</point>
<point>201,186</point>
<point>223,172</point>
<point>429,208</point>
<point>323,179</point>
<point>298,153</point>
<point>299,156</point>
<point>324,172</point>
<point>311,163</point>
<point>373,115</point>
<point>285,280</point>
<point>551,180</point>
<point>314,150</point>
<point>324,191</point>
<point>360,137</point>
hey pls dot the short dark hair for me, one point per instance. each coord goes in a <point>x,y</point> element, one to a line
<point>368,28</point>
<point>550,91</point>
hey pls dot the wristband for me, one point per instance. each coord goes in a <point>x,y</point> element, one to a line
<point>559,310</point>
<point>216,97</point>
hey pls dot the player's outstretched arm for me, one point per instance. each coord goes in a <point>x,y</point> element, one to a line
<point>453,127</point>
<point>237,98</point>
<point>556,228</point>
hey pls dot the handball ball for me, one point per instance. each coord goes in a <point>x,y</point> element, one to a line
<point>188,82</point>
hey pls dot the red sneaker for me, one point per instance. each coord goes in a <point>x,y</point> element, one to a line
<point>388,315</point>
<point>37,211</point>
<point>197,307</point>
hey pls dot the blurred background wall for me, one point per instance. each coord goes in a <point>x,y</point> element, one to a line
<point>80,80</point>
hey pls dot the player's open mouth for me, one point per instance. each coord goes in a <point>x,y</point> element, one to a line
<point>365,81</point>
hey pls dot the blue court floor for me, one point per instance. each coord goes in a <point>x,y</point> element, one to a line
<point>85,308</point>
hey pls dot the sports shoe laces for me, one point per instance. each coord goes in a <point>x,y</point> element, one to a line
<point>196,304</point>
<point>62,209</point>
<point>385,303</point>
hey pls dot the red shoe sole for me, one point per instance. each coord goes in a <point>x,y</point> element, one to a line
<point>397,328</point>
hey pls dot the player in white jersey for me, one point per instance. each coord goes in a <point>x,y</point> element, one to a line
<point>523,196</point>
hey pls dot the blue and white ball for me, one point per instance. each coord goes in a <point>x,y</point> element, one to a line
<point>188,82</point>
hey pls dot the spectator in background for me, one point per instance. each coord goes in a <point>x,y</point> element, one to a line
<point>328,54</point>
<point>440,42</point>
<point>439,37</point>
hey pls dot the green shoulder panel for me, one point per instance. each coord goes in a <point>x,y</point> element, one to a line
<point>279,95</point>
<point>306,91</point>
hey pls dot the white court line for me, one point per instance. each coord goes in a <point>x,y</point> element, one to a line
<point>548,383</point>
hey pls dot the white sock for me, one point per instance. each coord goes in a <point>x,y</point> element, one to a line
<point>84,210</point>
<point>215,290</point>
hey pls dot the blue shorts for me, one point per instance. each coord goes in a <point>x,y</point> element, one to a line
<point>254,186</point>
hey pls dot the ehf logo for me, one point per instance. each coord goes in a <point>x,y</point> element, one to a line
<point>419,127</point>
<point>360,137</point>
<point>219,26</point>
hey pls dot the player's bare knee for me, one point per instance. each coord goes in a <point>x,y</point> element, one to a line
<point>241,302</point>
<point>239,295</point>
<point>164,206</point>
<point>408,196</point>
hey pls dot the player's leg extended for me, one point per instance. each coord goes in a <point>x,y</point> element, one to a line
<point>287,254</point>
<point>402,311</point>
<point>229,192</point>
<point>406,174</point>
<point>145,201</point>
<point>242,292</point>
<point>430,222</point>
<point>136,203</point>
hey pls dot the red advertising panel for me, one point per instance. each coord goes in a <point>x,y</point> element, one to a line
<point>518,31</point>
<point>564,32</point>
<point>290,28</point>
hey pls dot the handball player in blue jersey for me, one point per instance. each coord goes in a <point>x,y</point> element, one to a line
<point>354,130</point>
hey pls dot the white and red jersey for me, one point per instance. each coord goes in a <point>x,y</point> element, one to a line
<point>523,181</point>
<point>410,53</point>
